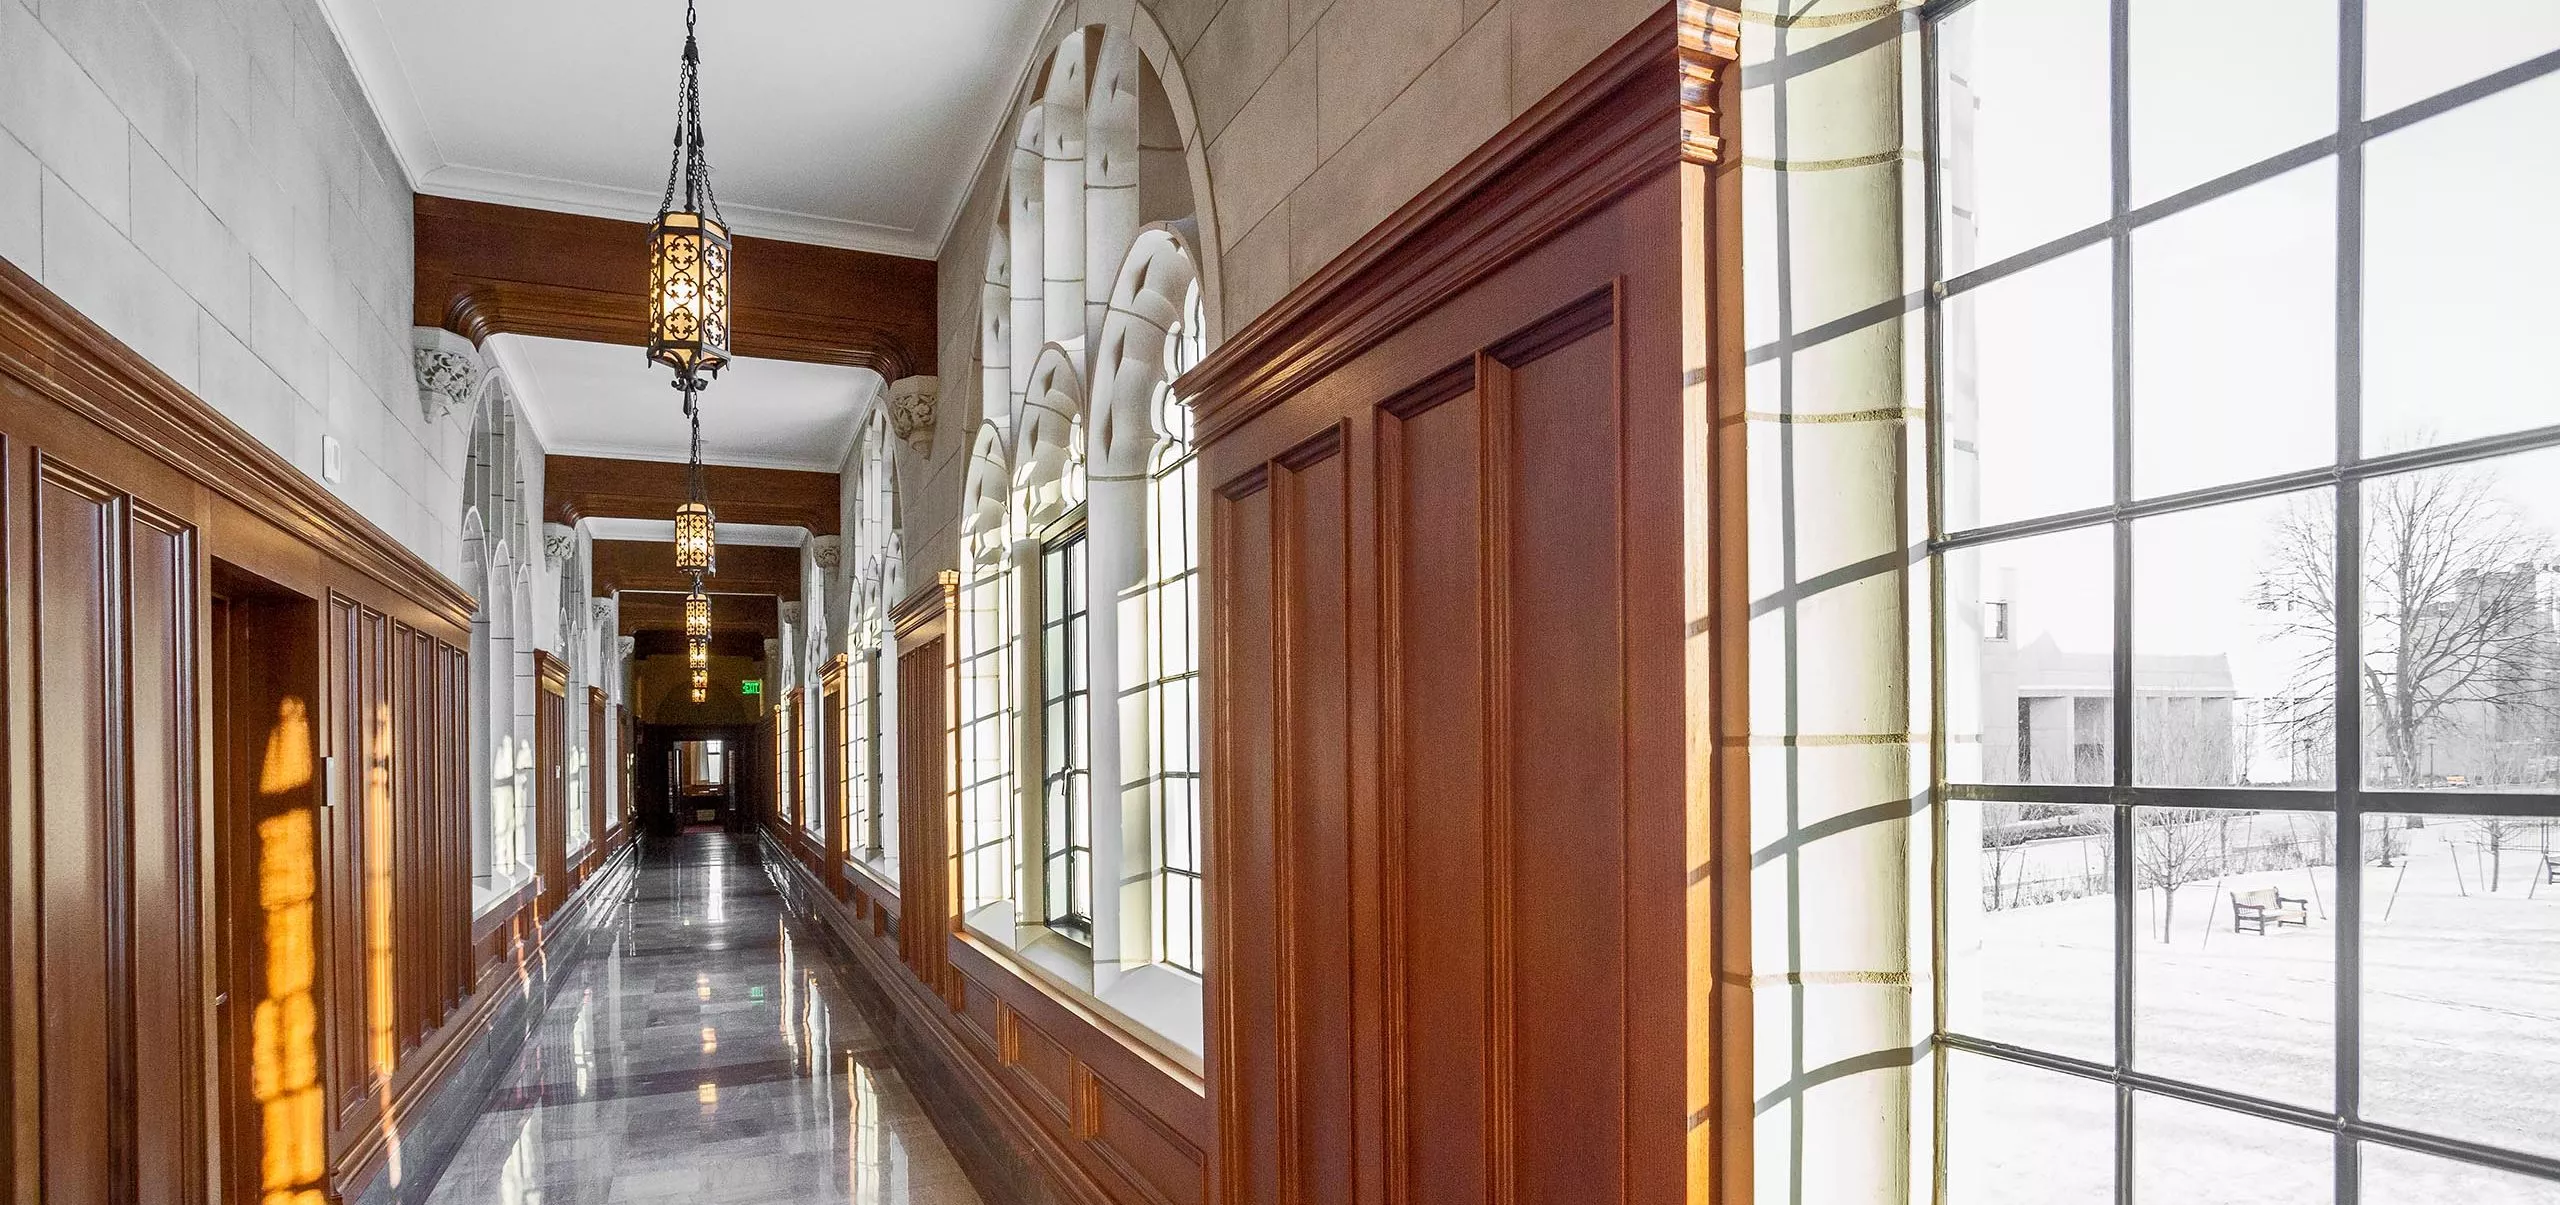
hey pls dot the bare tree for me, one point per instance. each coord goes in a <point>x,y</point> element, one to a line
<point>2496,833</point>
<point>2455,633</point>
<point>2176,846</point>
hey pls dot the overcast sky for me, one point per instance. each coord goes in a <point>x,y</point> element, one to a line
<point>2234,361</point>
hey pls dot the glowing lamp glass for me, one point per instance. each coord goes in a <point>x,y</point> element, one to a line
<point>689,292</point>
<point>697,617</point>
<point>696,549</point>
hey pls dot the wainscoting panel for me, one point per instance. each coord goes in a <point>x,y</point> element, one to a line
<point>1450,805</point>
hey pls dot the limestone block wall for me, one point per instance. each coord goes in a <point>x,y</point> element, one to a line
<point>207,182</point>
<point>1322,117</point>
<point>1838,740</point>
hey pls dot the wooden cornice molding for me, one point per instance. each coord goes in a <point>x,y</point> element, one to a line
<point>670,642</point>
<point>57,352</point>
<point>1616,124</point>
<point>550,672</point>
<point>593,487</point>
<point>935,600</point>
<point>1710,41</point>
<point>756,616</point>
<point>650,565</point>
<point>487,269</point>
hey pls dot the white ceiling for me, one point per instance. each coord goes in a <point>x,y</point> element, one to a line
<point>603,399</point>
<point>852,123</point>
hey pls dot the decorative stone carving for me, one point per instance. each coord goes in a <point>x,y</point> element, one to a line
<point>626,647</point>
<point>449,371</point>
<point>604,612</point>
<point>791,614</point>
<point>557,543</point>
<point>912,402</point>
<point>827,551</point>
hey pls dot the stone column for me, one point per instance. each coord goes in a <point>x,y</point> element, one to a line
<point>1838,703</point>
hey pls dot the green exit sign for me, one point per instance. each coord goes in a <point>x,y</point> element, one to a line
<point>752,686</point>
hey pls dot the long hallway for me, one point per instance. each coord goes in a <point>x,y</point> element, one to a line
<point>703,1055</point>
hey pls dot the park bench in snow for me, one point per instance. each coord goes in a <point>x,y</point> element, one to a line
<point>2253,911</point>
<point>2551,868</point>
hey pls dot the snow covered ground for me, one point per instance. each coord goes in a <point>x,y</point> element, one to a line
<point>2461,1013</point>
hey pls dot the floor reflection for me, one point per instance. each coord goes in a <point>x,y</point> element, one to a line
<point>703,1058</point>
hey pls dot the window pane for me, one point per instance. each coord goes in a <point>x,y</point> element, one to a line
<point>2185,1154</point>
<point>2234,315</point>
<point>2391,1174</point>
<point>2234,952</point>
<point>2029,419</point>
<point>2030,658</point>
<point>2462,626</point>
<point>2233,669</point>
<point>2462,977</point>
<point>2023,148</point>
<point>2031,926</point>
<point>2218,86</point>
<point>2460,253</point>
<point>2024,1135</point>
<point>2432,48</point>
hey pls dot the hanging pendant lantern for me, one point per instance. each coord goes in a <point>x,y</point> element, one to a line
<point>697,615</point>
<point>696,549</point>
<point>689,249</point>
<point>698,655</point>
<point>701,678</point>
<point>701,694</point>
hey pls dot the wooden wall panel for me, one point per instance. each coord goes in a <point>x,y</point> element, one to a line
<point>1244,759</point>
<point>1450,805</point>
<point>551,781</point>
<point>78,769</point>
<point>1311,542</point>
<point>161,929</point>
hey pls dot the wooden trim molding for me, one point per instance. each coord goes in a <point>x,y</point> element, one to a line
<point>596,487</point>
<point>57,352</point>
<point>486,269</point>
<point>650,565</point>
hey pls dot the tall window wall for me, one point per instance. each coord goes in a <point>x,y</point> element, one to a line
<point>1174,650</point>
<point>1078,657</point>
<point>2247,562</point>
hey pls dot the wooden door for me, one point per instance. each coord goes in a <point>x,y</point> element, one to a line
<point>599,756</point>
<point>551,779</point>
<point>1450,715</point>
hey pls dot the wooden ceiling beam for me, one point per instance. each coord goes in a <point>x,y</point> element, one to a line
<point>487,269</point>
<point>754,616</point>
<point>629,565</point>
<point>596,487</point>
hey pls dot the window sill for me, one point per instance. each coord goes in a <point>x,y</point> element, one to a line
<point>490,893</point>
<point>1160,1006</point>
<point>880,874</point>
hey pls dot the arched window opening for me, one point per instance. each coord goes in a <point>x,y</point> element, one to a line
<point>1174,654</point>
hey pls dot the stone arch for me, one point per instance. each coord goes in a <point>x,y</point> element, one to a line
<point>1148,297</point>
<point>984,498</point>
<point>1048,455</point>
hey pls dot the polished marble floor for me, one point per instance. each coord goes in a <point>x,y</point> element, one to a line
<point>706,1054</point>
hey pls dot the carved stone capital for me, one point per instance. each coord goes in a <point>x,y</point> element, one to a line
<point>626,647</point>
<point>604,612</point>
<point>558,542</point>
<point>912,402</point>
<point>791,613</point>
<point>827,551</point>
<point>449,371</point>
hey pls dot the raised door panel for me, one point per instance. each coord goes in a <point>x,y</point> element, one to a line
<point>1431,460</point>
<point>1312,552</point>
<point>115,604</point>
<point>1247,975</point>
<point>1560,797</point>
<point>79,766</point>
<point>167,997</point>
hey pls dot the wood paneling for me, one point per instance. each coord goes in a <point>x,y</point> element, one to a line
<point>1450,805</point>
<point>485,269</point>
<point>328,687</point>
<point>651,565</point>
<point>740,623</point>
<point>834,784</point>
<point>928,773</point>
<point>576,488</point>
<point>550,781</point>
